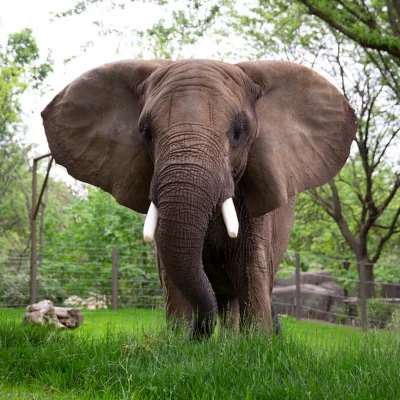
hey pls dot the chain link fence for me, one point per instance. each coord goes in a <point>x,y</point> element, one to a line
<point>83,277</point>
<point>306,286</point>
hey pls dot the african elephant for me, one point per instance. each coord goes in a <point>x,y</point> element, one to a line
<point>209,151</point>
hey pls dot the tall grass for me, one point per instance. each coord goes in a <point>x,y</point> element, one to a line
<point>142,360</point>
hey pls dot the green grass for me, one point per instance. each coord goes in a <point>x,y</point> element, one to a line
<point>130,355</point>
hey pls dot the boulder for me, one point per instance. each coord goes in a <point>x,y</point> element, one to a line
<point>336,290</point>
<point>311,278</point>
<point>71,318</point>
<point>317,300</point>
<point>74,301</point>
<point>44,313</point>
<point>93,302</point>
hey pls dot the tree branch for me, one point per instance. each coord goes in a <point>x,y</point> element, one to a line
<point>385,238</point>
<point>389,198</point>
<point>384,227</point>
<point>394,51</point>
<point>378,161</point>
<point>325,206</point>
<point>371,23</point>
<point>392,18</point>
<point>397,6</point>
<point>341,222</point>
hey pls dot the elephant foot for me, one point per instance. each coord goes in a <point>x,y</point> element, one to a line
<point>276,321</point>
<point>203,327</point>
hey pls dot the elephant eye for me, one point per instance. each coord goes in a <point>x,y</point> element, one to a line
<point>147,133</point>
<point>239,131</point>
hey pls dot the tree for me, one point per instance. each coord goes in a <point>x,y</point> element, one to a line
<point>363,200</point>
<point>20,69</point>
<point>374,26</point>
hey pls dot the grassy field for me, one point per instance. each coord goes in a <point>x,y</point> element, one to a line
<point>129,355</point>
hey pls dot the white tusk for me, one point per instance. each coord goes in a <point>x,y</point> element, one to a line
<point>150,224</point>
<point>230,218</point>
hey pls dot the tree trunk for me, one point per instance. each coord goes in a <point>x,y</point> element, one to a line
<point>369,276</point>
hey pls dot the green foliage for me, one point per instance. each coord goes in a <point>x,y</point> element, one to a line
<point>76,254</point>
<point>379,311</point>
<point>395,322</point>
<point>80,232</point>
<point>94,219</point>
<point>170,37</point>
<point>20,69</point>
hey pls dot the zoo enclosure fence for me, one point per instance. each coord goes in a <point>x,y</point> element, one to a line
<point>307,286</point>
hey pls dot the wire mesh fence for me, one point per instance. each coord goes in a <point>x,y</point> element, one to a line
<point>306,286</point>
<point>83,277</point>
<point>330,290</point>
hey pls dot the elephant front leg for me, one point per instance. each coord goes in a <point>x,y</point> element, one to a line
<point>228,310</point>
<point>255,299</point>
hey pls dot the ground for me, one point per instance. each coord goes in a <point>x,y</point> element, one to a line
<point>128,354</point>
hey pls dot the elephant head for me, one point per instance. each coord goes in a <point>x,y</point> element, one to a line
<point>180,137</point>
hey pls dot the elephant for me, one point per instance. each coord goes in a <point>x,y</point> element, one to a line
<point>214,154</point>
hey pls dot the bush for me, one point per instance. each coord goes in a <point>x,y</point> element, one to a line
<point>395,321</point>
<point>379,313</point>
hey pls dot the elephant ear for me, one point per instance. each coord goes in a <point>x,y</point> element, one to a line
<point>92,130</point>
<point>306,127</point>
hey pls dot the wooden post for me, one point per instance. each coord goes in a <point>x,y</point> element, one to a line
<point>115,278</point>
<point>33,283</point>
<point>35,208</point>
<point>298,290</point>
<point>363,296</point>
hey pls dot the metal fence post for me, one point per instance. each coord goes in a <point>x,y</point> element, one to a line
<point>115,278</point>
<point>298,290</point>
<point>363,295</point>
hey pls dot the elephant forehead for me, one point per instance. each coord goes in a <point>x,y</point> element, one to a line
<point>192,106</point>
<point>196,106</point>
<point>216,77</point>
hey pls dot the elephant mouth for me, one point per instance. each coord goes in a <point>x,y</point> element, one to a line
<point>228,212</point>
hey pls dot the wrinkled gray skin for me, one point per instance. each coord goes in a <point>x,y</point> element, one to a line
<point>187,135</point>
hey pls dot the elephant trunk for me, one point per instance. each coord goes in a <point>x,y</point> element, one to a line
<point>186,191</point>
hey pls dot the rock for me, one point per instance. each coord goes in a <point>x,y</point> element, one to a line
<point>317,300</point>
<point>93,302</point>
<point>71,318</point>
<point>311,278</point>
<point>44,313</point>
<point>74,301</point>
<point>336,291</point>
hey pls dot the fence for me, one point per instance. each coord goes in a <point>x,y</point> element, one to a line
<point>306,286</point>
<point>98,277</point>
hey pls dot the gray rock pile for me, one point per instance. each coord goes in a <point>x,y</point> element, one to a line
<point>319,294</point>
<point>44,313</point>
<point>93,302</point>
